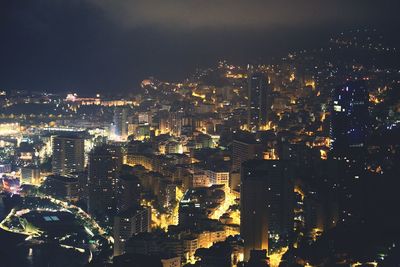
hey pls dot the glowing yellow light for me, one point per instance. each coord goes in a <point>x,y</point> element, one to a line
<point>299,191</point>
<point>324,155</point>
<point>202,96</point>
<point>323,117</point>
<point>275,258</point>
<point>267,126</point>
<point>311,83</point>
<point>271,154</point>
<point>327,142</point>
<point>374,99</point>
<point>231,75</point>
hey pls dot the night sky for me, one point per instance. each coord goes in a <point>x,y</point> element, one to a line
<point>101,45</point>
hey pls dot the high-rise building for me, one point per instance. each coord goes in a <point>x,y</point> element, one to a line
<point>61,187</point>
<point>258,258</point>
<point>68,154</point>
<point>218,177</point>
<point>120,123</point>
<point>155,243</point>
<point>266,205</point>
<point>243,150</point>
<point>128,223</point>
<point>350,119</point>
<point>104,166</point>
<point>82,178</point>
<point>175,122</point>
<point>30,175</point>
<point>259,103</point>
<point>129,192</point>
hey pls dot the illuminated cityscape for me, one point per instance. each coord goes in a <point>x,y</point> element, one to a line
<point>284,159</point>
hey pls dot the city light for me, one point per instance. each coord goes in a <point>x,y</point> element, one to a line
<point>196,134</point>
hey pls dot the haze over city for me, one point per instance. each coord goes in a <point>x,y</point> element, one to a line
<point>97,45</point>
<point>199,133</point>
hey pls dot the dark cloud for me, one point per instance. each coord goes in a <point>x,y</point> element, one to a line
<point>259,14</point>
<point>93,45</point>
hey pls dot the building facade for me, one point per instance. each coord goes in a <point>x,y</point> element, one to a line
<point>266,205</point>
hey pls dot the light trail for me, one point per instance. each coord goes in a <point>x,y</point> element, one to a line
<point>78,212</point>
<point>223,208</point>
